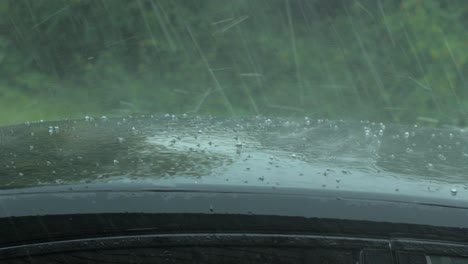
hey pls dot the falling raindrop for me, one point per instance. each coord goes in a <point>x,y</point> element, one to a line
<point>407,134</point>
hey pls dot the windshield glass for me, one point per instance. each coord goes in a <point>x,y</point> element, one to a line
<point>117,90</point>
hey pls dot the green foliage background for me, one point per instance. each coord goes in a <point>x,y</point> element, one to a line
<point>398,61</point>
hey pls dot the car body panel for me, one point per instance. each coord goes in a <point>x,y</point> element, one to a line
<point>117,176</point>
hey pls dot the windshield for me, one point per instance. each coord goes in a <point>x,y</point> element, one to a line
<point>135,90</point>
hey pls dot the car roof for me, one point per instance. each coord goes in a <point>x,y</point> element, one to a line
<point>370,159</point>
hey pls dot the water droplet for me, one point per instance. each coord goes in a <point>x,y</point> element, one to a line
<point>453,191</point>
<point>430,166</point>
<point>120,139</point>
<point>116,162</point>
<point>293,156</point>
<point>87,118</point>
<point>381,132</point>
<point>441,157</point>
<point>367,131</point>
<point>450,136</point>
<point>48,163</point>
<point>21,174</point>
<point>407,134</point>
<point>211,208</point>
<point>392,156</point>
<point>238,144</point>
<point>104,117</point>
<point>31,147</point>
<point>409,150</point>
<point>268,121</point>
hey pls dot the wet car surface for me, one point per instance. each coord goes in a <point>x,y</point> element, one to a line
<point>191,175</point>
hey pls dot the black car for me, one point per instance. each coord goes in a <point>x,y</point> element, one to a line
<point>181,189</point>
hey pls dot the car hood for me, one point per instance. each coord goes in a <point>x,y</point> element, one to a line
<point>265,152</point>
